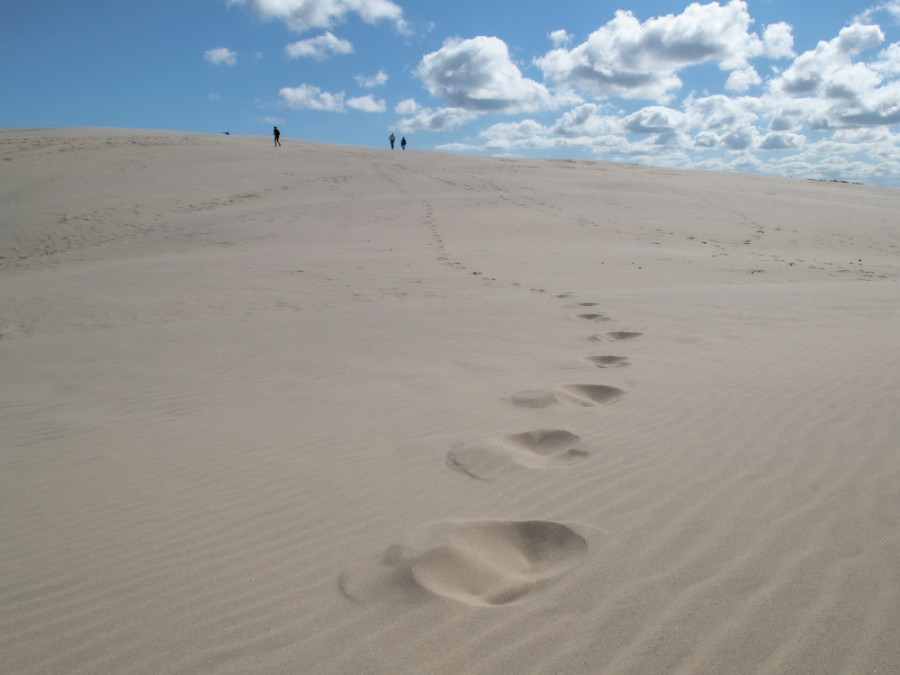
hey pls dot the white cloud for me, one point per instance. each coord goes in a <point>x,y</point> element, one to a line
<point>812,71</point>
<point>478,75</point>
<point>442,119</point>
<point>560,37</point>
<point>303,15</point>
<point>406,107</point>
<point>367,104</point>
<point>742,80</point>
<point>721,114</point>
<point>835,89</point>
<point>371,81</point>
<point>640,60</point>
<point>309,97</point>
<point>654,119</point>
<point>891,7</point>
<point>319,48</point>
<point>220,56</point>
<point>778,41</point>
<point>587,120</point>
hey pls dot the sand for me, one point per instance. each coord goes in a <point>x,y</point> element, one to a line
<point>325,409</point>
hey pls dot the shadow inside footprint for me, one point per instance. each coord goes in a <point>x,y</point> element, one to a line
<point>587,394</point>
<point>490,563</point>
<point>532,399</point>
<point>608,361</point>
<point>569,394</point>
<point>594,317</point>
<point>616,335</point>
<point>538,449</point>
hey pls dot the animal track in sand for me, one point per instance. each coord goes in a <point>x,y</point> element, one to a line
<point>578,395</point>
<point>608,361</point>
<point>485,563</point>
<point>616,336</point>
<point>538,449</point>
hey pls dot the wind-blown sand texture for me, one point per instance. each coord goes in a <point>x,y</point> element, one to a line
<point>327,409</point>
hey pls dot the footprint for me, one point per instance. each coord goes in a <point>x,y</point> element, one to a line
<point>582,395</point>
<point>594,317</point>
<point>615,335</point>
<point>587,394</point>
<point>484,563</point>
<point>489,563</point>
<point>532,399</point>
<point>608,361</point>
<point>538,449</point>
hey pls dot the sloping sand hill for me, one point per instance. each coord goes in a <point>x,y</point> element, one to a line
<point>325,409</point>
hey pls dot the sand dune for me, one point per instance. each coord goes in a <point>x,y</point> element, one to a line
<point>328,409</point>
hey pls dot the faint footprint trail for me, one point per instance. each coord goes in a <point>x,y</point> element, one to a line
<point>578,395</point>
<point>537,449</point>
<point>483,563</point>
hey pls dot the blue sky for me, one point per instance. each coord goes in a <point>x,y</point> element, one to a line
<point>807,89</point>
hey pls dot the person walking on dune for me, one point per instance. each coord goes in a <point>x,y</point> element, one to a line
<point>392,139</point>
<point>403,143</point>
<point>277,135</point>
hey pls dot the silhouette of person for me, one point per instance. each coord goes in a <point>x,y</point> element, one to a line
<point>392,139</point>
<point>277,137</point>
<point>403,143</point>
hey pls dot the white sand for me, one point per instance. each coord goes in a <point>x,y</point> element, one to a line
<point>340,410</point>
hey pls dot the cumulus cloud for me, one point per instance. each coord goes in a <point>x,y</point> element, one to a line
<point>442,119</point>
<point>319,48</point>
<point>588,119</point>
<point>220,56</point>
<point>654,120</point>
<point>830,62</point>
<point>309,97</point>
<point>835,89</point>
<point>303,15</point>
<point>782,141</point>
<point>560,37</point>
<point>406,107</point>
<point>741,80</point>
<point>478,75</point>
<point>891,7</point>
<point>631,59</point>
<point>371,81</point>
<point>367,103</point>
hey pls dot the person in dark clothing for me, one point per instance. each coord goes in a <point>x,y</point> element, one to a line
<point>403,143</point>
<point>277,137</point>
<point>392,139</point>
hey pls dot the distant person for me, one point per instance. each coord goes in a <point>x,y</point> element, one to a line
<point>403,143</point>
<point>392,139</point>
<point>277,137</point>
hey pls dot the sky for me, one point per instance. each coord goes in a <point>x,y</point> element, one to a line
<point>801,88</point>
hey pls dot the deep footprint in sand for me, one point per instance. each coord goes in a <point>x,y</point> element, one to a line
<point>579,395</point>
<point>538,449</point>
<point>484,563</point>
<point>608,361</point>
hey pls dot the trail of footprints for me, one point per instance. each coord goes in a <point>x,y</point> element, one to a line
<point>487,563</point>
